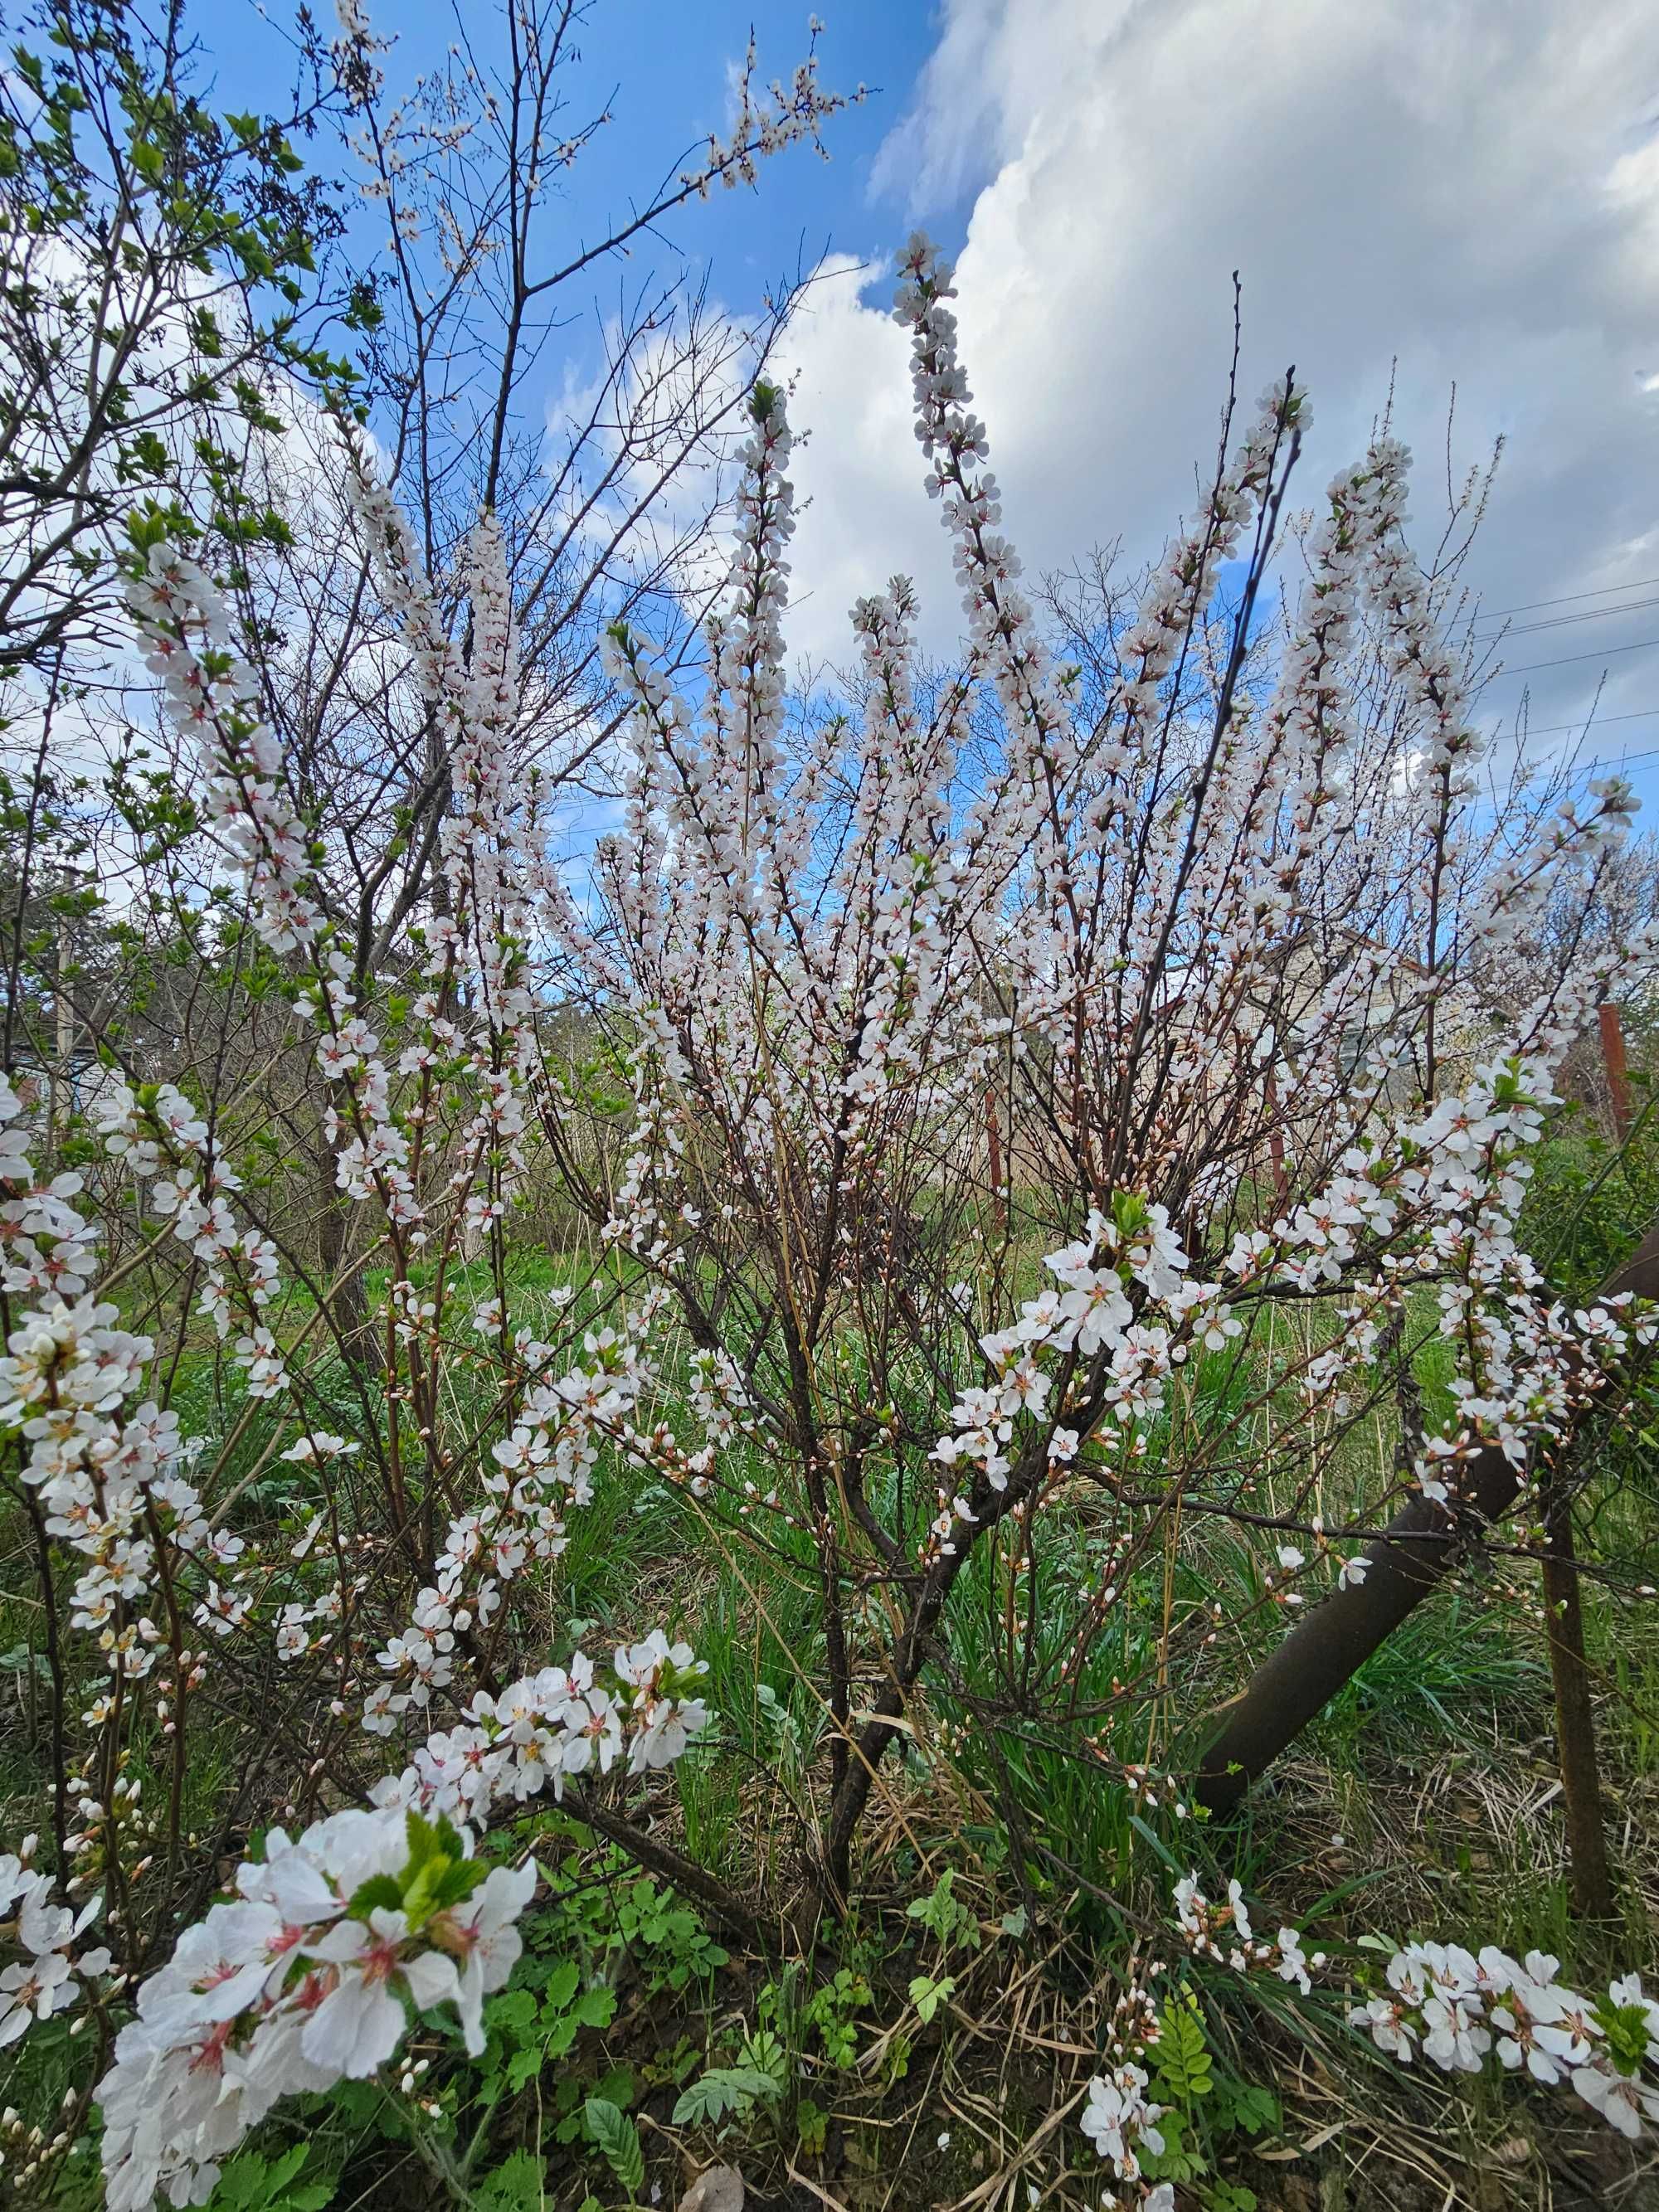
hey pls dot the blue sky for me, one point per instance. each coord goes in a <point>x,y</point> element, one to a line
<point>668,61</point>
<point>672,59</point>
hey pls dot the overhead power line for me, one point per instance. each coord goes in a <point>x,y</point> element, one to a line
<point>1563,622</point>
<point>1590,767</point>
<point>1587,722</point>
<point>1531,606</point>
<point>1629,760</point>
<point>1528,667</point>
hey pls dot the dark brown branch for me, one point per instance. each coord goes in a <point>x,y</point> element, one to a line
<point>728,1910</point>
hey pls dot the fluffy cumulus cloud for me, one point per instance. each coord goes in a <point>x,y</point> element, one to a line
<point>1450,191</point>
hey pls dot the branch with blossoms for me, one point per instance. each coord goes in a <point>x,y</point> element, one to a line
<point>53,1974</point>
<point>1461,2010</point>
<point>1118,2117</point>
<point>48,1975</point>
<point>333,1942</point>
<point>1466,2012</point>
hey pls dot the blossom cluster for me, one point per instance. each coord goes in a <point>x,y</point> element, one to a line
<point>109,1478</point>
<point>47,1248</point>
<point>213,696</point>
<point>492,853</point>
<point>801,935</point>
<point>109,1475</point>
<point>1119,2119</point>
<point>1440,1194</point>
<point>308,1976</point>
<point>335,1937</point>
<point>1222,1932</point>
<point>156,1134</point>
<point>794,113</point>
<point>1110,1284</point>
<point>557,1722</point>
<point>48,1978</point>
<point>473,1025</point>
<point>1460,2008</point>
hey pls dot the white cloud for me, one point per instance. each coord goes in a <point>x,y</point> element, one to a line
<point>1468,188</point>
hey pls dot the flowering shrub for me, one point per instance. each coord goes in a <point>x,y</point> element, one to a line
<point>983,1095</point>
<point>860,974</point>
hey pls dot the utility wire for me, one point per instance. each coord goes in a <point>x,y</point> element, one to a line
<point>1528,667</point>
<point>1629,760</point>
<point>1586,722</point>
<point>1531,606</point>
<point>1562,622</point>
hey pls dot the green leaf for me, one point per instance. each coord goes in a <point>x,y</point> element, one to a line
<point>617,2139</point>
<point>251,2184</point>
<point>522,2068</point>
<point>439,1874</point>
<point>456,1882</point>
<point>514,2012</point>
<point>1254,2109</point>
<point>1181,2056</point>
<point>617,2083</point>
<point>1322,1905</point>
<point>944,1915</point>
<point>518,2184</point>
<point>379,1894</point>
<point>1625,2027</point>
<point>561,1985</point>
<point>763,2053</point>
<point>927,1996</point>
<point>596,2008</point>
<point>421,1839</point>
<point>719,2093</point>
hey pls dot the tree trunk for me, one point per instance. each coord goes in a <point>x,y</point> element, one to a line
<point>1575,1721</point>
<point>1405,1564</point>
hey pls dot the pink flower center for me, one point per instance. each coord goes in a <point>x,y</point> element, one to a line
<point>380,1961</point>
<point>210,2054</point>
